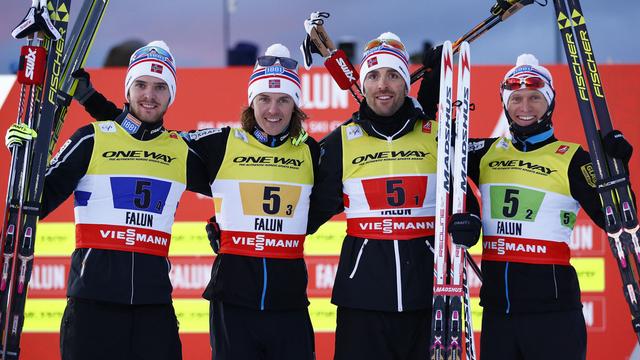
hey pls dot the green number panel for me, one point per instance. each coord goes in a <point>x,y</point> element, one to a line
<point>515,203</point>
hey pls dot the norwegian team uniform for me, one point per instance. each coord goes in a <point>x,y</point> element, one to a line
<point>127,178</point>
<point>381,172</point>
<point>531,195</point>
<point>261,185</point>
<point>259,279</point>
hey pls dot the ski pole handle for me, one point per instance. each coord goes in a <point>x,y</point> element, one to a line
<point>324,37</point>
<point>318,41</point>
<point>499,13</point>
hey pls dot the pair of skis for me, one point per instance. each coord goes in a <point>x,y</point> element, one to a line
<point>45,70</point>
<point>450,292</point>
<point>612,178</point>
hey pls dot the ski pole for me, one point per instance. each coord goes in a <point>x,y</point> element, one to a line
<point>500,11</point>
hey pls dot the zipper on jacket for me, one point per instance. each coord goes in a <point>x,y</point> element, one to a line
<point>84,261</point>
<point>264,283</point>
<point>398,274</point>
<point>390,138</point>
<point>355,267</point>
<point>506,286</point>
<point>132,271</point>
<point>555,280</point>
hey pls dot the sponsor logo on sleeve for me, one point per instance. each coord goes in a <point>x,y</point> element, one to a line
<point>589,174</point>
<point>202,133</point>
<point>476,145</point>
<point>62,148</point>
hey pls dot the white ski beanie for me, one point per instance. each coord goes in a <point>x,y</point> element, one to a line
<point>527,66</point>
<point>275,78</point>
<point>386,55</point>
<point>154,59</point>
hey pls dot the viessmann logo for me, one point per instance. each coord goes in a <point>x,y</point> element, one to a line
<point>388,226</point>
<point>260,241</point>
<point>521,165</point>
<point>502,246</point>
<point>131,237</point>
<point>389,155</point>
<point>138,155</point>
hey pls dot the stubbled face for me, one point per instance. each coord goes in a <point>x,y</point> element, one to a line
<point>526,106</point>
<point>148,98</point>
<point>385,91</point>
<point>273,111</point>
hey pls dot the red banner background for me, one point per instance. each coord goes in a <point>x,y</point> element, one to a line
<point>215,97</point>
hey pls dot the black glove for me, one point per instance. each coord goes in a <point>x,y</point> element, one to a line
<point>213,234</point>
<point>615,145</point>
<point>428,94</point>
<point>501,6</point>
<point>432,57</point>
<point>84,89</point>
<point>464,229</point>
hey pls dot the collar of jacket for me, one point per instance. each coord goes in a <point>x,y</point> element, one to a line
<point>389,127</point>
<point>270,140</point>
<point>525,146</point>
<point>144,131</point>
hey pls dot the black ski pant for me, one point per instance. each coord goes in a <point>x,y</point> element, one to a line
<point>98,330</point>
<point>239,333</point>
<point>381,335</point>
<point>533,336</point>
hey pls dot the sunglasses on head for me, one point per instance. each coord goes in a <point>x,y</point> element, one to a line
<point>287,63</point>
<point>514,83</point>
<point>153,49</point>
<point>389,42</point>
